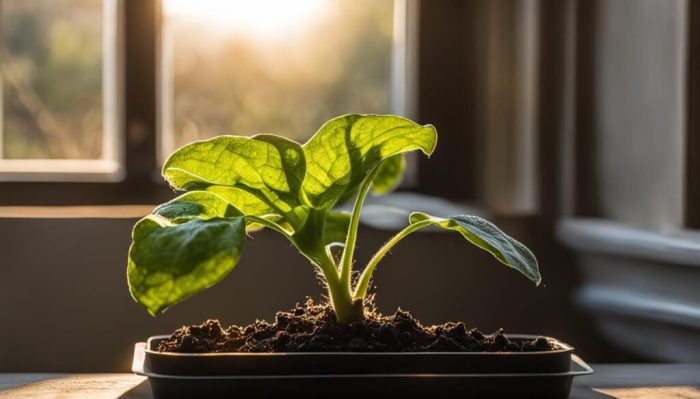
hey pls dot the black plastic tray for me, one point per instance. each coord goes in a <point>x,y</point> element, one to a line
<point>225,364</point>
<point>386,385</point>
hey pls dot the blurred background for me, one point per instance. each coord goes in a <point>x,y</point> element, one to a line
<point>575,125</point>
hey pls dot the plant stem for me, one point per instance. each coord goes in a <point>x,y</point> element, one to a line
<point>351,239</point>
<point>308,241</point>
<point>344,306</point>
<point>366,276</point>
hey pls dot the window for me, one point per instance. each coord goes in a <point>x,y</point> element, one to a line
<point>58,105</point>
<point>633,110</point>
<point>632,226</point>
<point>95,93</point>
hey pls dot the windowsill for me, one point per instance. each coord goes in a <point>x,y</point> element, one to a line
<point>612,238</point>
<point>633,304</point>
<point>640,286</point>
<point>60,170</point>
<point>76,212</point>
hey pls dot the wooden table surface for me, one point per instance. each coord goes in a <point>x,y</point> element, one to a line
<point>657,381</point>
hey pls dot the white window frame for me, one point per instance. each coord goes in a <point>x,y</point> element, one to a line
<point>110,168</point>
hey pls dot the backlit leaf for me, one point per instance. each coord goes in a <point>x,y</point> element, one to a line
<point>336,228</point>
<point>196,204</point>
<point>270,167</point>
<point>490,238</point>
<point>389,174</point>
<point>170,262</point>
<point>347,149</point>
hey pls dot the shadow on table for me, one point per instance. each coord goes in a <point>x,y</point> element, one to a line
<point>140,391</point>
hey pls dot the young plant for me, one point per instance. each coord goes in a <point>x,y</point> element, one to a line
<point>232,183</point>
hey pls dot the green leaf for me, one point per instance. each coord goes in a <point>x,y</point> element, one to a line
<point>389,174</point>
<point>336,228</point>
<point>196,204</point>
<point>246,202</point>
<point>170,262</point>
<point>490,238</point>
<point>207,204</point>
<point>346,149</point>
<point>269,167</point>
<point>388,177</point>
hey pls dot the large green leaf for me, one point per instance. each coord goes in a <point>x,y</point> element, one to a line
<point>336,228</point>
<point>196,204</point>
<point>389,174</point>
<point>270,167</point>
<point>490,238</point>
<point>346,149</point>
<point>388,177</point>
<point>170,262</point>
<point>208,204</point>
<point>246,202</point>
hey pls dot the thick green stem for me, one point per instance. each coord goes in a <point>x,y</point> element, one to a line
<point>346,309</point>
<point>308,241</point>
<point>366,276</point>
<point>351,239</point>
<point>339,295</point>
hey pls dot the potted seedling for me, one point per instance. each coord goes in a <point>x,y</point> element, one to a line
<point>233,185</point>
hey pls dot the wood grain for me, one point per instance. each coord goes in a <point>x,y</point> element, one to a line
<point>78,386</point>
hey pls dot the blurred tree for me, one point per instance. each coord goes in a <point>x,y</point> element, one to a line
<point>286,85</point>
<point>222,82</point>
<point>51,65</point>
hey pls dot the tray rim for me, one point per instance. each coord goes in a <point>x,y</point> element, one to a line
<point>564,349</point>
<point>139,367</point>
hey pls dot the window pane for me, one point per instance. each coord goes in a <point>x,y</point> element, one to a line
<point>283,67</point>
<point>51,55</point>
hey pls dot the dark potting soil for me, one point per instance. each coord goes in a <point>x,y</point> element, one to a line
<point>312,327</point>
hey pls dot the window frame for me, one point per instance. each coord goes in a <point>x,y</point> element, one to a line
<point>663,260</point>
<point>109,168</point>
<point>136,28</point>
<point>138,31</point>
<point>692,179</point>
<point>449,30</point>
<point>586,201</point>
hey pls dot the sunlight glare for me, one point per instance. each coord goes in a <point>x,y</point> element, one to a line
<point>256,19</point>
